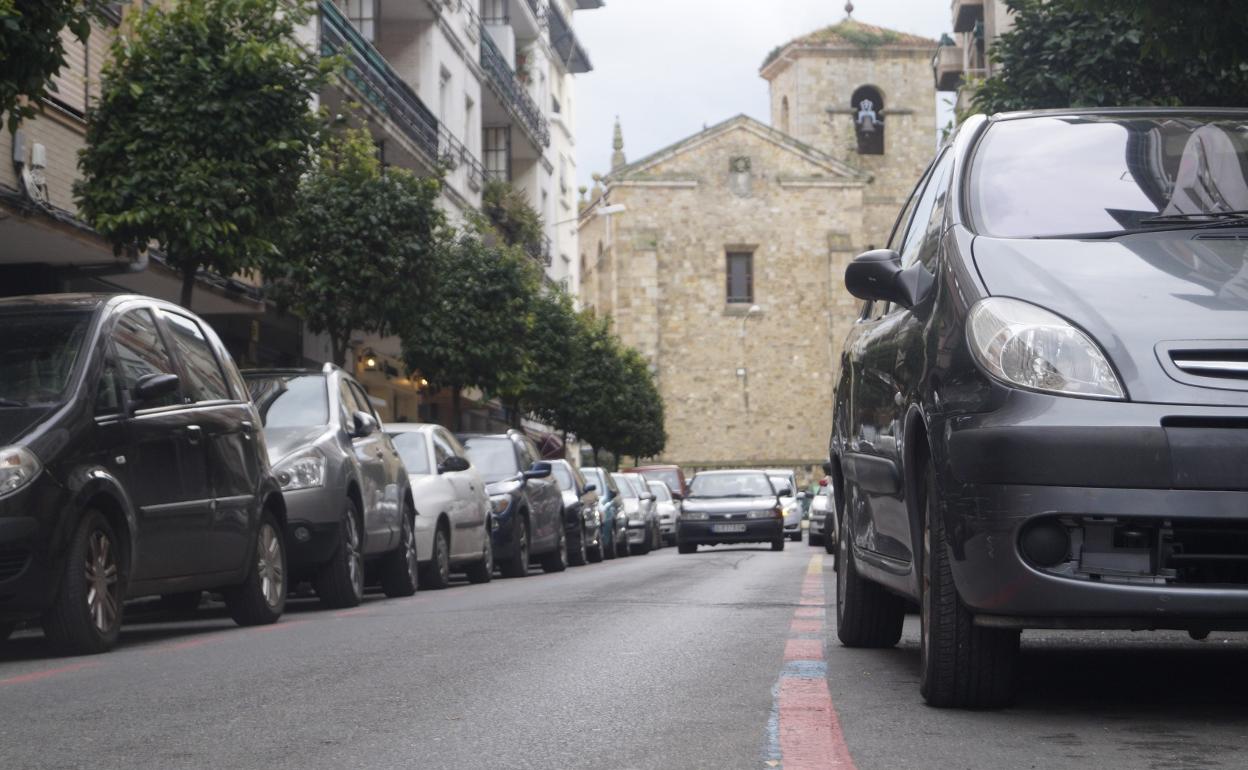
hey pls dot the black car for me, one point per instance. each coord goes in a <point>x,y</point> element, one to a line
<point>732,506</point>
<point>581,518</point>
<point>132,465</point>
<point>1041,419</point>
<point>527,503</point>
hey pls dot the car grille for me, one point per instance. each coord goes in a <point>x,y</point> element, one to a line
<point>1213,362</point>
<point>12,562</point>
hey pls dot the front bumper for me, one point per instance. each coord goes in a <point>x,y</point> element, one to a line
<point>1152,500</point>
<point>314,524</point>
<point>32,547</point>
<point>816,525</point>
<point>638,533</point>
<point>703,532</point>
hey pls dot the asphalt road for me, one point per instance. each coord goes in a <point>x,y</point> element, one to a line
<point>724,659</point>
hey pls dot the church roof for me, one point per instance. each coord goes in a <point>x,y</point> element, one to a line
<point>851,33</point>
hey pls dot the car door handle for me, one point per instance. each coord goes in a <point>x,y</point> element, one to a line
<point>247,426</point>
<point>194,433</point>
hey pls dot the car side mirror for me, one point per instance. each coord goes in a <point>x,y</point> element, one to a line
<point>153,386</point>
<point>453,464</point>
<point>540,470</point>
<point>591,487</point>
<point>803,495</point>
<point>364,425</point>
<point>785,492</point>
<point>878,276</point>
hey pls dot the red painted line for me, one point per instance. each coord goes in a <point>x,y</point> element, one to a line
<point>49,672</point>
<point>808,612</point>
<point>800,626</point>
<point>811,601</point>
<point>279,626</point>
<point>188,644</point>
<point>803,649</point>
<point>354,612</point>
<point>810,732</point>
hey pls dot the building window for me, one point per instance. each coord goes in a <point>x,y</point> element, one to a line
<point>496,152</point>
<point>784,114</point>
<point>363,16</point>
<point>494,12</point>
<point>740,276</point>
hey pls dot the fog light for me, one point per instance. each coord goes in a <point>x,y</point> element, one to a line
<point>1045,543</point>
<point>302,534</point>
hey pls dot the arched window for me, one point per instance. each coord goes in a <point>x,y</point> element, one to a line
<point>784,114</point>
<point>868,106</point>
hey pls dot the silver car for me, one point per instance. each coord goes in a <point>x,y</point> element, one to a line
<point>822,518</point>
<point>643,523</point>
<point>785,483</point>
<point>347,496</point>
<point>453,512</point>
<point>668,510</point>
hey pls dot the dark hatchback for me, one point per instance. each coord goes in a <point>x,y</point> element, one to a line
<point>132,465</point>
<point>735,506</point>
<point>1041,419</point>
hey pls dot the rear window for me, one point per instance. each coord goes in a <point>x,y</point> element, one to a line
<point>1102,175</point>
<point>290,400</point>
<point>668,477</point>
<point>731,485</point>
<point>627,490</point>
<point>563,476</point>
<point>414,452</point>
<point>494,457</point>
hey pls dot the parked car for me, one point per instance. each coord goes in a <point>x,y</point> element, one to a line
<point>611,508</point>
<point>348,502</point>
<point>582,519</point>
<point>526,502</point>
<point>731,506</point>
<point>1039,417</point>
<point>671,475</point>
<point>822,518</point>
<point>785,482</point>
<point>643,523</point>
<point>453,517</point>
<point>130,465</point>
<point>667,508</point>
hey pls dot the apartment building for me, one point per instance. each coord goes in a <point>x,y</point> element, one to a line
<point>962,60</point>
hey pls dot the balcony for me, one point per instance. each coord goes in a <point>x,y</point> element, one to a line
<point>966,13</point>
<point>947,67</point>
<point>540,250</point>
<point>453,155</point>
<point>376,83</point>
<point>566,46</point>
<point>502,80</point>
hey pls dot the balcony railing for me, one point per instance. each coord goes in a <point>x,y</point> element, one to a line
<point>379,85</point>
<point>452,153</point>
<point>540,250</point>
<point>539,12</point>
<point>947,66</point>
<point>503,80</point>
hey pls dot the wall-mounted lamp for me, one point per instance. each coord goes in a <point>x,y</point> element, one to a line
<point>370,361</point>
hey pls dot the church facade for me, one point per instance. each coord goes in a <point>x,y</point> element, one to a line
<point>721,257</point>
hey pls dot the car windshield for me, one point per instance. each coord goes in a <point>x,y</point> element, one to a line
<point>780,482</point>
<point>660,491</point>
<point>731,485</point>
<point>37,354</point>
<point>627,490</point>
<point>668,477</point>
<point>289,400</point>
<point>1106,175</point>
<point>495,458</point>
<point>563,476</point>
<point>414,452</point>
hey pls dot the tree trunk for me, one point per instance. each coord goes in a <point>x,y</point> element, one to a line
<point>338,347</point>
<point>596,465</point>
<point>457,417</point>
<point>188,283</point>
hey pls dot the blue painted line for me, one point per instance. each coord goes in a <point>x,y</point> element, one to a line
<point>805,669</point>
<point>771,741</point>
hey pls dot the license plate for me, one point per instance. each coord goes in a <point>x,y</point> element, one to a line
<point>727,527</point>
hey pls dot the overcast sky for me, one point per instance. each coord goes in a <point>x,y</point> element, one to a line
<point>667,67</point>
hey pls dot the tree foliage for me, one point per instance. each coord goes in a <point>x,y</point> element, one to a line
<point>32,50</point>
<point>1085,53</point>
<point>509,214</point>
<point>201,132</point>
<point>553,352</point>
<point>359,246</point>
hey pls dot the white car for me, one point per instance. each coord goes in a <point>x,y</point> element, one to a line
<point>668,510</point>
<point>823,518</point>
<point>783,480</point>
<point>453,513</point>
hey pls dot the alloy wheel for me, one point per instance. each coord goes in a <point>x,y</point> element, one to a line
<point>103,602</point>
<point>487,554</point>
<point>444,558</point>
<point>355,561</point>
<point>409,549</point>
<point>269,566</point>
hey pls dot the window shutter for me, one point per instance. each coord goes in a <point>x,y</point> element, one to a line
<point>70,84</point>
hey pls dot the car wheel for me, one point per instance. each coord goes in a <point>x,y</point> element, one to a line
<point>622,548</point>
<point>777,545</point>
<point>813,540</point>
<point>866,614</point>
<point>796,536</point>
<point>642,548</point>
<point>482,571</point>
<point>518,566</point>
<point>558,560</point>
<point>183,603</point>
<point>85,618</point>
<point>437,573</point>
<point>261,598</point>
<point>960,664</point>
<point>400,570</point>
<point>578,554</point>
<point>1197,634</point>
<point>340,583</point>
<point>609,551</point>
<point>596,553</point>
<point>687,547</point>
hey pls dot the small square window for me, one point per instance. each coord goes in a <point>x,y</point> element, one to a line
<point>740,276</point>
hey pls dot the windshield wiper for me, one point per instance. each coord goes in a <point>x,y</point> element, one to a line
<point>1199,217</point>
<point>11,402</point>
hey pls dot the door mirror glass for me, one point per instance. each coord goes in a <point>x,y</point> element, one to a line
<point>540,470</point>
<point>151,387</point>
<point>591,487</point>
<point>784,492</point>
<point>364,425</point>
<point>453,464</point>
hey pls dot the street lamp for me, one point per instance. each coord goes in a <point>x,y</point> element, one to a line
<point>743,372</point>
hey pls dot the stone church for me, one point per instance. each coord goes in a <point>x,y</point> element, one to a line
<point>721,257</point>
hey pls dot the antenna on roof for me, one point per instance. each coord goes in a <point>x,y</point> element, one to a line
<point>849,10</point>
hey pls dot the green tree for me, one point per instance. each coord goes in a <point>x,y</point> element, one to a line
<point>32,50</point>
<point>1085,53</point>
<point>472,329</point>
<point>551,359</point>
<point>593,408</point>
<point>359,246</point>
<point>509,214</point>
<point>639,420</point>
<point>201,132</point>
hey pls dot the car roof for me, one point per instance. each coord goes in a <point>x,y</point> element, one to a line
<point>653,468</point>
<point>726,471</point>
<point>89,301</point>
<point>1120,111</point>
<point>409,427</point>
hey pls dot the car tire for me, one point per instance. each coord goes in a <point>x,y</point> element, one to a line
<point>85,617</point>
<point>578,555</point>
<point>557,561</point>
<point>686,547</point>
<point>340,582</point>
<point>961,665</point>
<point>597,553</point>
<point>814,540</point>
<point>482,570</point>
<point>866,614</point>
<point>777,545</point>
<point>261,598</point>
<point>400,570</point>
<point>518,565</point>
<point>184,603</point>
<point>830,543</point>
<point>622,548</point>
<point>796,536</point>
<point>7,627</point>
<point>642,548</point>
<point>609,551</point>
<point>437,572</point>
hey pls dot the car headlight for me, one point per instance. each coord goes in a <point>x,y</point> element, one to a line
<point>693,515</point>
<point>18,467</point>
<point>304,470</point>
<point>1028,346</point>
<point>500,502</point>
